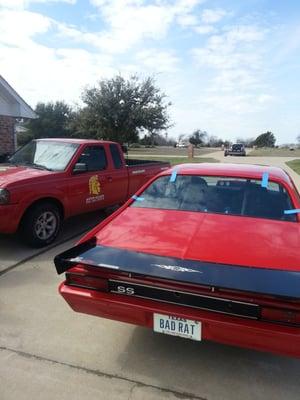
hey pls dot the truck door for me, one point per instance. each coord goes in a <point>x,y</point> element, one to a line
<point>91,189</point>
<point>119,176</point>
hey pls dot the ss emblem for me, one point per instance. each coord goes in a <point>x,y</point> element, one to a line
<point>125,290</point>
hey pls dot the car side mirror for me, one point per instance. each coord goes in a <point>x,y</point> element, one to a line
<point>79,168</point>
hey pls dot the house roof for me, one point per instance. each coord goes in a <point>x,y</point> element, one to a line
<point>12,104</point>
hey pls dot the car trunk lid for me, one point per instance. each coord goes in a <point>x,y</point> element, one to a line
<point>222,239</point>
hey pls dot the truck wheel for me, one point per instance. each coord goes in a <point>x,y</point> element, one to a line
<point>41,225</point>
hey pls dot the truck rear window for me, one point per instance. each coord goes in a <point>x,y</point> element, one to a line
<point>115,154</point>
<point>220,195</point>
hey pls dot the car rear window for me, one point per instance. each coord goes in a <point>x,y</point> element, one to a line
<point>237,147</point>
<point>220,195</point>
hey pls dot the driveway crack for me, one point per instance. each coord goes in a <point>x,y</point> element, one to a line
<point>136,383</point>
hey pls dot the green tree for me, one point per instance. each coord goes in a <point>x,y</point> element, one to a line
<point>198,138</point>
<point>118,109</point>
<point>267,139</point>
<point>248,142</point>
<point>53,120</point>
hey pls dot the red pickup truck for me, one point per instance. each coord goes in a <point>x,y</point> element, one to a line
<point>49,180</point>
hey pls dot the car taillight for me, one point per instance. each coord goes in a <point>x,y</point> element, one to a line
<point>280,315</point>
<point>88,282</point>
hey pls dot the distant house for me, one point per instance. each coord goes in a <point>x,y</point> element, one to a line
<point>12,108</point>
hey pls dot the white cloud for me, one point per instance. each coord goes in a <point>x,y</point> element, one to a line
<point>42,73</point>
<point>204,29</point>
<point>211,16</point>
<point>157,61</point>
<point>234,49</point>
<point>223,88</point>
<point>235,58</point>
<point>18,27</point>
<point>187,20</point>
<point>131,21</point>
<point>22,4</point>
<point>47,74</point>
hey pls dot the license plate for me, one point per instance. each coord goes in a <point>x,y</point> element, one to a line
<point>170,325</point>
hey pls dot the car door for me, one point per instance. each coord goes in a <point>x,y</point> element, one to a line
<point>91,189</point>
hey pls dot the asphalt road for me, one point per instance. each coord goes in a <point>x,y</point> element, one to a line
<point>47,351</point>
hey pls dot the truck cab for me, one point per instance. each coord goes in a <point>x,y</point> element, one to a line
<point>49,180</point>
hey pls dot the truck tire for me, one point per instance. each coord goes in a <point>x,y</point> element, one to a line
<point>41,224</point>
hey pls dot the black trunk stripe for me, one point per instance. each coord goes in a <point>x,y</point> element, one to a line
<point>281,283</point>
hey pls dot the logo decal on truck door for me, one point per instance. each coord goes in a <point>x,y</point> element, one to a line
<point>94,185</point>
<point>95,190</point>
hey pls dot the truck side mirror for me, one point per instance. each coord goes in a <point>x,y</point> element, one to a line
<point>124,149</point>
<point>79,168</point>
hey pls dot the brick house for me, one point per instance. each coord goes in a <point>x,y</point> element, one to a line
<point>12,107</point>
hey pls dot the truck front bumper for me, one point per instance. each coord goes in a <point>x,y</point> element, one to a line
<point>8,218</point>
<point>215,327</point>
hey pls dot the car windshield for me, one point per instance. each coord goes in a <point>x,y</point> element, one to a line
<point>50,155</point>
<point>220,195</point>
<point>237,147</point>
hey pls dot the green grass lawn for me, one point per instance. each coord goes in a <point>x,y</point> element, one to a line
<point>295,165</point>
<point>177,160</point>
<point>269,152</point>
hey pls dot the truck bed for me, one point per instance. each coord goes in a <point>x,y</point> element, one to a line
<point>131,162</point>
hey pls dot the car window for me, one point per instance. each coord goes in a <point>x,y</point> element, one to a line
<point>220,195</point>
<point>94,157</point>
<point>115,153</point>
<point>237,147</point>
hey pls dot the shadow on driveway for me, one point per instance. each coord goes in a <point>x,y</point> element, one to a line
<point>13,251</point>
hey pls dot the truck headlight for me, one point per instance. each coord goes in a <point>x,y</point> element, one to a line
<point>4,196</point>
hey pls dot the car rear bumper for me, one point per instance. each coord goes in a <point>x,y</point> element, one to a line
<point>8,219</point>
<point>215,327</point>
<point>235,153</point>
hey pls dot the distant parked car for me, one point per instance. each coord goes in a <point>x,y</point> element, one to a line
<point>237,149</point>
<point>181,145</point>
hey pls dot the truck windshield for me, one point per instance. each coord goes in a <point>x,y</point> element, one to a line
<point>50,155</point>
<point>219,195</point>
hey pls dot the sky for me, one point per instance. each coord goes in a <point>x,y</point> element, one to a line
<point>229,67</point>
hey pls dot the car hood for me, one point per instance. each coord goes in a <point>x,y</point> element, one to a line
<point>199,236</point>
<point>10,174</point>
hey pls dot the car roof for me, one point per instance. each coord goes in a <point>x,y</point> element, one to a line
<point>253,171</point>
<point>76,141</point>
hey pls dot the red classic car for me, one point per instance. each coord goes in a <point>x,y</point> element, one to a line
<point>206,252</point>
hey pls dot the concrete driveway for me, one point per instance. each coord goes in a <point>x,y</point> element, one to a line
<point>47,351</point>
<point>13,251</point>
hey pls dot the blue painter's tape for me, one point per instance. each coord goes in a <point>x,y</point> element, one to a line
<point>294,211</point>
<point>265,180</point>
<point>173,176</point>
<point>137,198</point>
